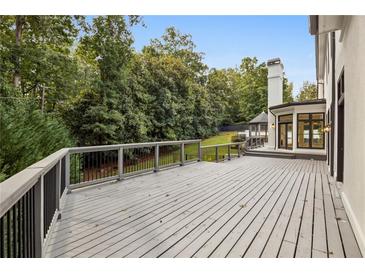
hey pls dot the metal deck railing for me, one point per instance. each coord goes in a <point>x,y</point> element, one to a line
<point>31,200</point>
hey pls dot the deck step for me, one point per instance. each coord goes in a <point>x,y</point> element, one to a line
<point>284,155</point>
<point>270,154</point>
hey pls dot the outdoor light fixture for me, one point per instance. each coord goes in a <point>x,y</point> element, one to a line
<point>327,128</point>
<point>272,125</point>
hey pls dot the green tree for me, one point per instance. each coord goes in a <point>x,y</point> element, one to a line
<point>219,90</point>
<point>108,110</point>
<point>175,74</point>
<point>287,91</point>
<point>34,52</point>
<point>27,37</point>
<point>173,42</point>
<point>95,85</point>
<point>253,87</point>
<point>307,92</point>
<point>27,135</point>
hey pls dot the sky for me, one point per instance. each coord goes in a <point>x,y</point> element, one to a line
<point>226,40</point>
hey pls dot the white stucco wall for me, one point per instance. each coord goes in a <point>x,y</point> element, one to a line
<point>351,56</point>
<point>275,97</point>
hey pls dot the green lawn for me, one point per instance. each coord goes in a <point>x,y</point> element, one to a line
<point>208,154</point>
<point>221,138</point>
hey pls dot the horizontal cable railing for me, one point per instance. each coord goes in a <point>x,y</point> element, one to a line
<point>30,201</point>
<point>221,152</point>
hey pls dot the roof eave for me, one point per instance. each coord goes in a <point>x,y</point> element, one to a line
<point>311,102</point>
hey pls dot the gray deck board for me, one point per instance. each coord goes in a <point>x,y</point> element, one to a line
<point>247,207</point>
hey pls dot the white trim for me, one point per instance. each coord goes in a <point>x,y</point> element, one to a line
<point>356,227</point>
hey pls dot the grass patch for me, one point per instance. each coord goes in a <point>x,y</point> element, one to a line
<point>221,138</point>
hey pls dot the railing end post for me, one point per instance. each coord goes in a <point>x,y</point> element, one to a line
<point>199,151</point>
<point>157,155</point>
<point>182,153</point>
<point>120,163</point>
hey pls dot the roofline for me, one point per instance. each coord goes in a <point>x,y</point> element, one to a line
<point>261,123</point>
<point>309,102</point>
<point>313,30</point>
<point>313,24</point>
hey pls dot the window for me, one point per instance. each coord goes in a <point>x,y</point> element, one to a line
<point>310,130</point>
<point>286,131</point>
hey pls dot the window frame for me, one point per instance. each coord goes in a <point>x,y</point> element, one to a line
<point>310,120</point>
<point>292,133</point>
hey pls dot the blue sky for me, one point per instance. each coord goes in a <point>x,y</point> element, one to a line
<point>225,40</point>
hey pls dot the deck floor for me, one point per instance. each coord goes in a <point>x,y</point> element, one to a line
<point>247,207</point>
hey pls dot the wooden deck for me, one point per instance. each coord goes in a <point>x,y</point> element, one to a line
<point>247,207</point>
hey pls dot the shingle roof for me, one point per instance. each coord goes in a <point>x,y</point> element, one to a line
<point>259,119</point>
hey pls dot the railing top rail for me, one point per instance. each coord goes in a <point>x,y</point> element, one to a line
<point>226,144</point>
<point>131,145</point>
<point>12,189</point>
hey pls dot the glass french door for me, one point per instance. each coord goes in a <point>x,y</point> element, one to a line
<point>286,135</point>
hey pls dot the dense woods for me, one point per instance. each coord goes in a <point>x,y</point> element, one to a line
<point>65,80</point>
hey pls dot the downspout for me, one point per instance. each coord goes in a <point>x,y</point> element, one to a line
<point>333,99</point>
<point>275,127</point>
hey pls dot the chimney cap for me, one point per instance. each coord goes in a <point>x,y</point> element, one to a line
<point>273,61</point>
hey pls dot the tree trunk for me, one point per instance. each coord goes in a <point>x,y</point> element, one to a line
<point>42,102</point>
<point>19,21</point>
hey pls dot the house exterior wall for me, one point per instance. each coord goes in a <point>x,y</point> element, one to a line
<point>275,97</point>
<point>350,48</point>
<point>295,110</point>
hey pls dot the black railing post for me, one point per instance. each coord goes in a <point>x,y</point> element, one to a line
<point>229,152</point>
<point>199,152</point>
<point>238,151</point>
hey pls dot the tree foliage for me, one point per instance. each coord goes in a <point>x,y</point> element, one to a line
<point>95,89</point>
<point>307,92</point>
<point>27,135</point>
